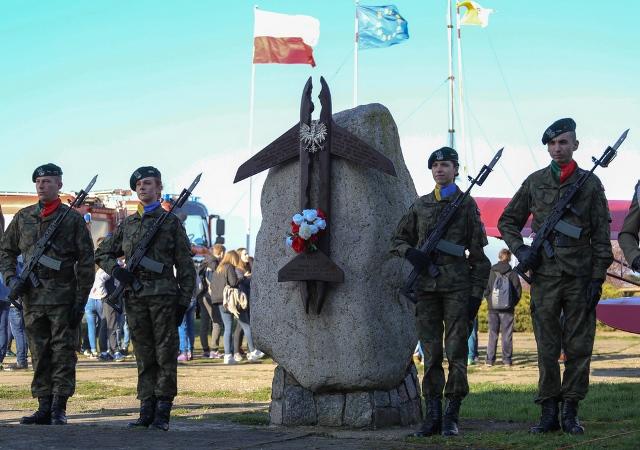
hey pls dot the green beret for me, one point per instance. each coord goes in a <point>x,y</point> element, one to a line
<point>46,170</point>
<point>443,154</point>
<point>557,128</point>
<point>143,172</point>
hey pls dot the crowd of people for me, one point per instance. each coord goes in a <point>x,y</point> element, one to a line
<point>106,335</point>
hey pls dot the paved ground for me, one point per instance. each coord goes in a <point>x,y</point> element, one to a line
<point>225,406</point>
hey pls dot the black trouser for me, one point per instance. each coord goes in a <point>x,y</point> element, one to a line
<point>110,316</point>
<point>500,322</point>
<point>238,333</point>
<point>216,324</point>
<point>205,324</point>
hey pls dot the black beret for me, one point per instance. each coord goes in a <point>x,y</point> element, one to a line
<point>46,170</point>
<point>557,128</point>
<point>143,172</point>
<point>443,154</point>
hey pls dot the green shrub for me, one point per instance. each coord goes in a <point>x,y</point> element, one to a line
<point>523,312</point>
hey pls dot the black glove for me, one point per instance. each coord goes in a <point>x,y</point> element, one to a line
<point>418,259</point>
<point>75,315</point>
<point>17,287</point>
<point>474,306</point>
<point>123,275</point>
<point>635,265</point>
<point>526,257</point>
<point>180,310</point>
<point>594,291</point>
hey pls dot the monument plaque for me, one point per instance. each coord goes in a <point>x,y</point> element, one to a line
<point>315,141</point>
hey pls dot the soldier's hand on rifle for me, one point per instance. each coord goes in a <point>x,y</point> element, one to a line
<point>17,287</point>
<point>635,265</point>
<point>594,292</point>
<point>75,316</point>
<point>123,275</point>
<point>180,311</point>
<point>418,259</point>
<point>526,257</point>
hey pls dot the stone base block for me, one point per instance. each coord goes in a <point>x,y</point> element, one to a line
<point>292,404</point>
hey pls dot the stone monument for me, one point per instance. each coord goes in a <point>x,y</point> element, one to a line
<point>349,365</point>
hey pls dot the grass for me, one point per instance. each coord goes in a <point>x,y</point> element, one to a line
<point>94,390</point>
<point>611,415</point>
<point>14,393</point>
<point>258,395</point>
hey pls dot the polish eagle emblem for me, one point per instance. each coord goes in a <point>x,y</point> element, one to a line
<point>313,136</point>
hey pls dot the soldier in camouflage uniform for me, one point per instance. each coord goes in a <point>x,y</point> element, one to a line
<point>628,237</point>
<point>445,304</point>
<point>569,282</point>
<point>155,311</point>
<point>53,310</point>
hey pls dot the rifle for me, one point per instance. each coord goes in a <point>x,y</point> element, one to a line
<point>554,223</point>
<point>43,244</point>
<point>434,240</point>
<point>139,259</point>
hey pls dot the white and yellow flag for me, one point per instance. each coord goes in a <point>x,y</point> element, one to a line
<point>475,14</point>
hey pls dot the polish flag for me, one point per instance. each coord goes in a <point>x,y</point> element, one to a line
<point>284,39</point>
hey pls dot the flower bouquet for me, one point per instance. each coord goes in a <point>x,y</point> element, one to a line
<point>306,229</point>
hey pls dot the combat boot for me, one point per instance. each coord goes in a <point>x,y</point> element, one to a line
<point>570,422</point>
<point>433,420</point>
<point>147,413</point>
<point>42,416</point>
<point>59,410</point>
<point>548,418</point>
<point>163,413</point>
<point>450,419</point>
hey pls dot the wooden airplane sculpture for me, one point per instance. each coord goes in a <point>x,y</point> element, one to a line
<point>312,141</point>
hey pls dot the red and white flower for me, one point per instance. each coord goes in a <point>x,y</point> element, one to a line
<point>306,229</point>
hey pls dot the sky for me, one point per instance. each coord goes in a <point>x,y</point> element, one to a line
<point>105,87</point>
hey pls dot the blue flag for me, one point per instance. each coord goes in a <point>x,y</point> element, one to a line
<point>380,26</point>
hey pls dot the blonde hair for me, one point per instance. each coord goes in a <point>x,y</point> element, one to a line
<point>218,250</point>
<point>504,255</point>
<point>230,258</point>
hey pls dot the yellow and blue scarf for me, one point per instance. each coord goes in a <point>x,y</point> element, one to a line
<point>444,192</point>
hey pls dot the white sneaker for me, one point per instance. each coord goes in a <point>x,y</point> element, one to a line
<point>258,353</point>
<point>237,357</point>
<point>228,359</point>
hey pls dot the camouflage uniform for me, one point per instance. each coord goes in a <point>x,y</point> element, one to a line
<point>446,297</point>
<point>48,308</point>
<point>628,237</point>
<point>560,283</point>
<point>151,312</point>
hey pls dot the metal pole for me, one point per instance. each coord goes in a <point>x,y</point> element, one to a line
<point>355,60</point>
<point>251,115</point>
<point>462,144</point>
<point>451,78</point>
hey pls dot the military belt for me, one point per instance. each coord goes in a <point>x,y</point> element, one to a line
<point>561,240</point>
<point>64,274</point>
<point>150,276</point>
<point>443,260</point>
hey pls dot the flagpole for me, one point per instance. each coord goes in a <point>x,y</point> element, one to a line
<point>462,144</point>
<point>250,145</point>
<point>451,78</point>
<point>355,60</point>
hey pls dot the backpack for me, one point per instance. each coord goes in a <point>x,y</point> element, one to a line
<point>501,295</point>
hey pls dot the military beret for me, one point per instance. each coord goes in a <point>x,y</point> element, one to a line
<point>557,128</point>
<point>443,154</point>
<point>143,172</point>
<point>46,170</point>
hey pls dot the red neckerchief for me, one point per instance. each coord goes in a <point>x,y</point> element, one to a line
<point>50,208</point>
<point>567,170</point>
